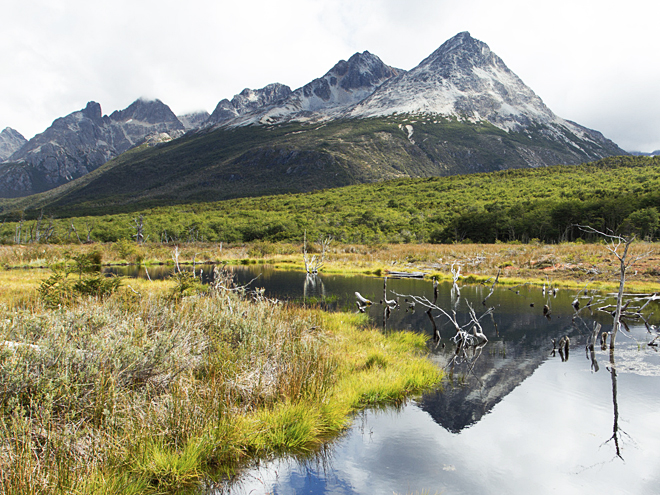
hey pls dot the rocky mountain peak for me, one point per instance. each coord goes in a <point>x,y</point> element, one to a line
<point>93,112</point>
<point>347,83</point>
<point>84,140</point>
<point>10,141</point>
<point>362,70</point>
<point>252,99</point>
<point>462,79</point>
<point>194,120</point>
<point>460,54</point>
<point>147,111</point>
<point>249,100</point>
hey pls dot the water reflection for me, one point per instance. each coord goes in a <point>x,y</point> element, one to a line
<point>556,430</point>
<point>513,417</point>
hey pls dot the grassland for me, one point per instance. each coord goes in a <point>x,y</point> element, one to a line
<point>152,389</point>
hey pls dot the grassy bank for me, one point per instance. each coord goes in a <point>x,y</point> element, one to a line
<point>147,391</point>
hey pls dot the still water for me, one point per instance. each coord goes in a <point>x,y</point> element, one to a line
<point>512,418</point>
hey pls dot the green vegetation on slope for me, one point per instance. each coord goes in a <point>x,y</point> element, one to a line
<point>292,158</point>
<point>617,193</point>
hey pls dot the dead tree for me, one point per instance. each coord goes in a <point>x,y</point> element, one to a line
<point>456,273</point>
<point>175,258</point>
<point>619,246</point>
<point>72,228</point>
<point>139,229</point>
<point>39,235</point>
<point>89,229</point>
<point>315,264</point>
<point>19,231</point>
<point>462,337</point>
<point>391,303</point>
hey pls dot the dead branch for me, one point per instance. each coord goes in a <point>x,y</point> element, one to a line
<point>392,303</point>
<point>492,287</point>
<point>616,244</point>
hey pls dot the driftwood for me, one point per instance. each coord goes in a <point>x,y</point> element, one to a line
<point>362,302</point>
<point>405,274</point>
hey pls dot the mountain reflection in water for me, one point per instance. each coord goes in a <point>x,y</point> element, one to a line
<point>510,418</point>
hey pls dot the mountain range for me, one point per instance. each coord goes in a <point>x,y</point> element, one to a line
<point>461,110</point>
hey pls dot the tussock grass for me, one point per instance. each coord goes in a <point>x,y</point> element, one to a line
<point>140,392</point>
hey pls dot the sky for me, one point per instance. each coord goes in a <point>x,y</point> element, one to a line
<point>593,62</point>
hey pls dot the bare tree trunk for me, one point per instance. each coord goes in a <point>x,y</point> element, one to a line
<point>73,228</point>
<point>139,229</point>
<point>619,297</point>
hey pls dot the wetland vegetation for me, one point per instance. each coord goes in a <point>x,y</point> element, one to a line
<point>150,388</point>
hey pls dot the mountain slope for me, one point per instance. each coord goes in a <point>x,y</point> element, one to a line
<point>192,121</point>
<point>296,157</point>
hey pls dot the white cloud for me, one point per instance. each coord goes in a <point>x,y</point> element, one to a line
<point>592,62</point>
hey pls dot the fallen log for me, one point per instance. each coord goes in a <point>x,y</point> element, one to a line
<point>405,274</point>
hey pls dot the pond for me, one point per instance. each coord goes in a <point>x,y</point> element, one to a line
<point>513,417</point>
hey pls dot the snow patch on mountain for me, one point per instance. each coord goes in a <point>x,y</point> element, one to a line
<point>462,79</point>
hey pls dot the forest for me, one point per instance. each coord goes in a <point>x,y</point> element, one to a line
<point>617,194</point>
